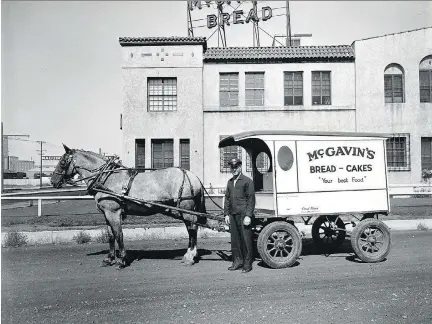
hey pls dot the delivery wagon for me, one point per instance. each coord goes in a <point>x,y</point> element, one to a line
<point>331,180</point>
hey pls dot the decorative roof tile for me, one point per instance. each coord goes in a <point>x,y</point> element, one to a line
<point>280,54</point>
<point>173,40</point>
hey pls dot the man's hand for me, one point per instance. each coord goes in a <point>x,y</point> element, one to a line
<point>227,219</point>
<point>247,221</point>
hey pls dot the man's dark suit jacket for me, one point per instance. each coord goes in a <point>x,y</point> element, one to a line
<point>240,200</point>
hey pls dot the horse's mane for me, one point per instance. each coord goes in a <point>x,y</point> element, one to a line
<point>93,154</point>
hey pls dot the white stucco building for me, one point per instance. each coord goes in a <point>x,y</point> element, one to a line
<point>181,98</point>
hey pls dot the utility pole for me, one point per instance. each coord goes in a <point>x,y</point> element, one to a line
<point>288,25</point>
<point>3,137</point>
<point>41,154</point>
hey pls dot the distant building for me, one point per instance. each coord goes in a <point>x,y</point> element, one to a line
<point>5,151</point>
<point>24,166</point>
<point>13,163</point>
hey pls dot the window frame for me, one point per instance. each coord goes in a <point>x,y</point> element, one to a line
<point>293,88</point>
<point>184,160</point>
<point>393,75</point>
<point>423,156</point>
<point>163,96</point>
<point>234,149</point>
<point>255,89</point>
<point>266,163</point>
<point>429,72</point>
<point>321,88</point>
<point>164,143</point>
<point>140,143</point>
<point>406,153</point>
<point>236,90</point>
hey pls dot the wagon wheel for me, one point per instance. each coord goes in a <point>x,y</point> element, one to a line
<point>371,240</point>
<point>279,245</point>
<point>328,232</point>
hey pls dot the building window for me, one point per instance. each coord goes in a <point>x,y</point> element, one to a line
<point>228,153</point>
<point>162,94</point>
<point>398,152</point>
<point>162,153</point>
<point>321,88</point>
<point>394,84</point>
<point>293,88</point>
<point>262,163</point>
<point>254,88</point>
<point>185,154</point>
<point>426,153</point>
<point>140,153</point>
<point>229,89</point>
<point>426,79</point>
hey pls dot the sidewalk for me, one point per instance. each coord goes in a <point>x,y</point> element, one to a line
<point>171,232</point>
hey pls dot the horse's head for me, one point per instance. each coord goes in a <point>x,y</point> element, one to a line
<point>64,170</point>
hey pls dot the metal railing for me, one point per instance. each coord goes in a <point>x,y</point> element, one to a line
<point>394,191</point>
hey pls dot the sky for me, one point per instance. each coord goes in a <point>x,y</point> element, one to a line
<point>61,61</point>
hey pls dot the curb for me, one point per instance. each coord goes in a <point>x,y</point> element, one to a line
<point>134,234</point>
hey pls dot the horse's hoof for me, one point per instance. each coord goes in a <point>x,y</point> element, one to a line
<point>108,263</point>
<point>189,263</point>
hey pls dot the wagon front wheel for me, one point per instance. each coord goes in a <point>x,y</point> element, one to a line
<point>371,241</point>
<point>279,245</point>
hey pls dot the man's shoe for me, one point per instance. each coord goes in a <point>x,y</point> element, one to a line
<point>246,270</point>
<point>232,268</point>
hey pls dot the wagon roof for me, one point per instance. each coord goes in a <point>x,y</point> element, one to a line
<point>227,141</point>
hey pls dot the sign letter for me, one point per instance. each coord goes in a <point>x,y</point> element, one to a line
<point>268,15</point>
<point>237,17</point>
<point>211,21</point>
<point>225,19</point>
<point>252,16</point>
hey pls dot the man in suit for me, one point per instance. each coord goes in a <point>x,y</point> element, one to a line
<point>239,209</point>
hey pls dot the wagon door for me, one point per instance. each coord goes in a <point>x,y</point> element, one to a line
<point>285,162</point>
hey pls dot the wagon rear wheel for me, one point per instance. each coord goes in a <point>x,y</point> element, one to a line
<point>371,240</point>
<point>328,232</point>
<point>279,245</point>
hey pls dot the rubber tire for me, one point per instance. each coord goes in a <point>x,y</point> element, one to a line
<point>262,244</point>
<point>315,232</point>
<point>356,234</point>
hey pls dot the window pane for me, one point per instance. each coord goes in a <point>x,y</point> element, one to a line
<point>293,87</point>
<point>140,153</point>
<point>162,94</point>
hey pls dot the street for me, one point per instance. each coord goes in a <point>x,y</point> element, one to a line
<point>66,284</point>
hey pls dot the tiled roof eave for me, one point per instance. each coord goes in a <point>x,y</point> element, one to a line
<point>279,60</point>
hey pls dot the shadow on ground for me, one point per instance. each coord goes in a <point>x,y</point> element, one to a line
<point>308,248</point>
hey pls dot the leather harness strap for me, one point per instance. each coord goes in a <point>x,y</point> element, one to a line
<point>132,174</point>
<point>180,198</point>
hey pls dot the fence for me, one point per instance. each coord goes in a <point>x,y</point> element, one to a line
<point>394,191</point>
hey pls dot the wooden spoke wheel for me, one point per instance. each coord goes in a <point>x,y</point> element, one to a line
<point>279,244</point>
<point>371,240</point>
<point>328,232</point>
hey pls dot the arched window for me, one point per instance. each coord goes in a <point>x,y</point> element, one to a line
<point>425,70</point>
<point>394,84</point>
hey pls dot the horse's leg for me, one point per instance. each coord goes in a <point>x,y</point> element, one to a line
<point>110,260</point>
<point>115,220</point>
<point>189,257</point>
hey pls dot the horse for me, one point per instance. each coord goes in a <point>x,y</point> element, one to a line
<point>170,186</point>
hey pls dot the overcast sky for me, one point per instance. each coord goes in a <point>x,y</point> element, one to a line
<point>61,73</point>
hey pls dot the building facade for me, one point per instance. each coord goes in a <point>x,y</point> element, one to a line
<point>393,95</point>
<point>181,98</point>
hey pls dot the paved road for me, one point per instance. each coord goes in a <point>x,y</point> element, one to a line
<point>65,284</point>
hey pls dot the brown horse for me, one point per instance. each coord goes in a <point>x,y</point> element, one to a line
<point>171,186</point>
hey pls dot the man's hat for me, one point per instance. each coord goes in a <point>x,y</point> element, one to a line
<point>234,162</point>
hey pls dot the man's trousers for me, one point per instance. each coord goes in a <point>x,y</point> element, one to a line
<point>241,242</point>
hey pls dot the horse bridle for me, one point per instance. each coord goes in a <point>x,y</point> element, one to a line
<point>68,160</point>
